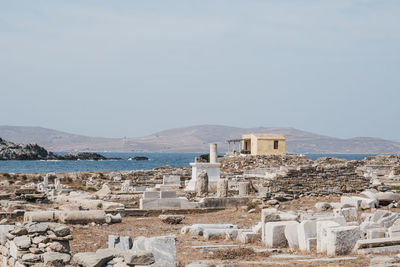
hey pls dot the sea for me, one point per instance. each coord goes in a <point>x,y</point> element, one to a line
<point>155,160</point>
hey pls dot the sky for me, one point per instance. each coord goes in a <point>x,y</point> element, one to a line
<point>132,68</point>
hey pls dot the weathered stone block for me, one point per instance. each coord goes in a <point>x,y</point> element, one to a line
<point>172,180</point>
<point>168,194</point>
<point>120,242</point>
<point>151,194</point>
<point>306,229</point>
<point>291,234</point>
<point>275,233</point>
<point>322,227</point>
<point>162,247</point>
<point>341,240</point>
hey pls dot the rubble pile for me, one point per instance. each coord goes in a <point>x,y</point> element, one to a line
<point>126,181</point>
<point>238,165</point>
<point>318,180</point>
<point>393,160</point>
<point>35,244</point>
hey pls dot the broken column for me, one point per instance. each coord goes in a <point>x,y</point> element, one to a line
<point>212,168</point>
<point>222,188</point>
<point>57,184</point>
<point>244,188</point>
<point>46,181</point>
<point>202,184</point>
<point>213,153</point>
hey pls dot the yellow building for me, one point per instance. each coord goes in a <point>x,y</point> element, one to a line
<point>263,144</point>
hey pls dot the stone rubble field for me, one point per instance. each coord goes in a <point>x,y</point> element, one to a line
<point>260,211</point>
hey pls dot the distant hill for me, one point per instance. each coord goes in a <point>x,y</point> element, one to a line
<point>194,139</point>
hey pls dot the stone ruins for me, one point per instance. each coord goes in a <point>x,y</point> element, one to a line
<point>237,210</point>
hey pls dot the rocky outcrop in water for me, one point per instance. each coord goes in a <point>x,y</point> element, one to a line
<point>81,156</point>
<point>12,151</point>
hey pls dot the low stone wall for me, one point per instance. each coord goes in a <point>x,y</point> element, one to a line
<point>318,180</point>
<point>39,244</point>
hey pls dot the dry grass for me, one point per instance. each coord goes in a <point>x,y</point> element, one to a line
<point>237,253</point>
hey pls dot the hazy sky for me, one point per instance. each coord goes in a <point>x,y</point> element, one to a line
<point>130,68</point>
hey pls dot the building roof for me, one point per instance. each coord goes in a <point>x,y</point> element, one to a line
<point>265,136</point>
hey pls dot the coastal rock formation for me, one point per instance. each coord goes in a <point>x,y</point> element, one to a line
<point>82,156</point>
<point>12,151</point>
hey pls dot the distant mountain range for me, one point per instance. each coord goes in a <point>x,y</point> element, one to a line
<point>194,139</point>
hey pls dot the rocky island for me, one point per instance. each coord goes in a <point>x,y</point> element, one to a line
<point>12,151</point>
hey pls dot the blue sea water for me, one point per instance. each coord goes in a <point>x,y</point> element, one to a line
<point>155,160</point>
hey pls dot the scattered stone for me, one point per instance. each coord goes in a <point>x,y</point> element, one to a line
<point>171,219</point>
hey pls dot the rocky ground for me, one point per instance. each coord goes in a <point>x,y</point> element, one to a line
<point>152,226</point>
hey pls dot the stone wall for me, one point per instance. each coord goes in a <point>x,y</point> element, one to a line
<point>318,180</point>
<point>239,165</point>
<point>35,244</point>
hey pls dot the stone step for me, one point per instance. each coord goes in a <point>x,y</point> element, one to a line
<point>377,242</point>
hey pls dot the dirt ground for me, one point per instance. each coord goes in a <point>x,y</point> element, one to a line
<point>91,238</point>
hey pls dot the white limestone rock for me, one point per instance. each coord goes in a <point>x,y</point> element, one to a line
<point>162,247</point>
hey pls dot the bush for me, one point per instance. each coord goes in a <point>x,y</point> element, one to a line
<point>51,178</point>
<point>251,205</point>
<point>100,205</point>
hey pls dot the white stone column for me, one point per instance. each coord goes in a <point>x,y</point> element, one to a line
<point>46,181</point>
<point>57,184</point>
<point>213,153</point>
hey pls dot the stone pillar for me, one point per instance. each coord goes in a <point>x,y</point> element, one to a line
<point>213,153</point>
<point>46,181</point>
<point>57,184</point>
<point>244,189</point>
<point>222,188</point>
<point>202,184</point>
